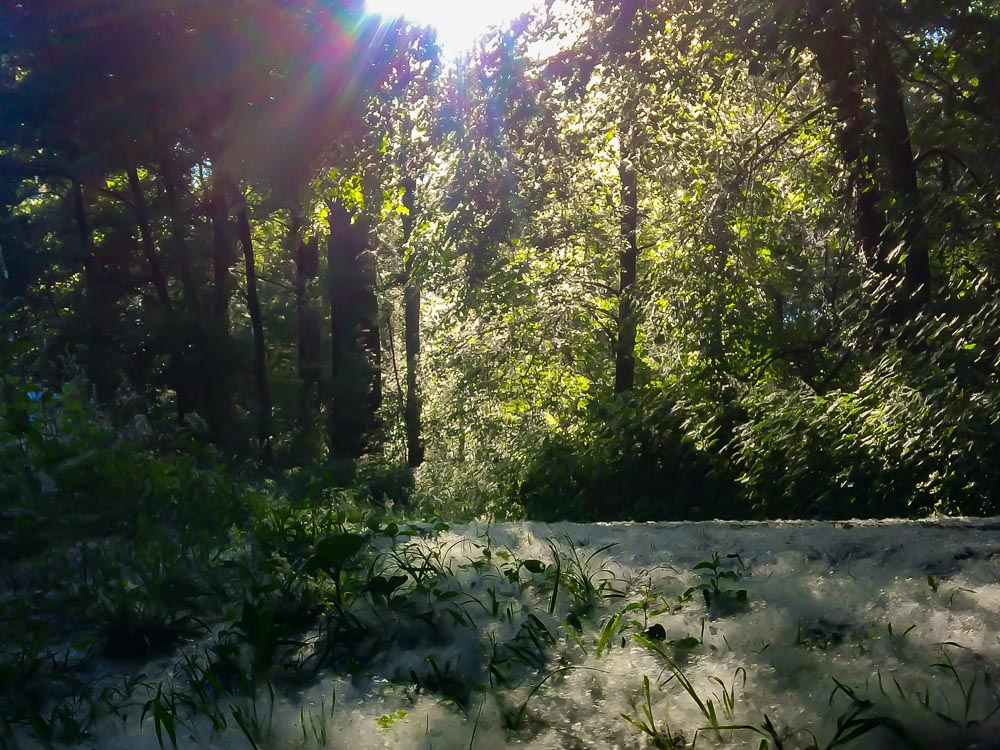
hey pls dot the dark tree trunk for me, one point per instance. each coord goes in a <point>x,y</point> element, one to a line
<point>355,351</point>
<point>96,303</point>
<point>894,135</point>
<point>627,258</point>
<point>309,335</point>
<point>87,252</point>
<point>178,227</point>
<point>218,354</point>
<point>156,273</point>
<point>829,38</point>
<point>623,39</point>
<point>411,332</point>
<point>371,332</point>
<point>178,378</point>
<point>222,256</point>
<point>189,373</point>
<point>722,242</point>
<point>264,429</point>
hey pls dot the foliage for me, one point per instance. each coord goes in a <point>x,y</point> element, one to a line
<point>781,217</point>
<point>909,439</point>
<point>630,459</point>
<point>97,478</point>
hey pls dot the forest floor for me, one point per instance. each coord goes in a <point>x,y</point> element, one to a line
<point>349,632</point>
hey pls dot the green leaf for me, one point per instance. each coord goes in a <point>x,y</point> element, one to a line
<point>335,550</point>
<point>533,566</point>
<point>655,632</point>
<point>382,586</point>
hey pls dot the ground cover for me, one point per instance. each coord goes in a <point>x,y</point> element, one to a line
<point>320,628</point>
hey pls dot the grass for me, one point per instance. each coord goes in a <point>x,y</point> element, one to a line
<point>247,615</point>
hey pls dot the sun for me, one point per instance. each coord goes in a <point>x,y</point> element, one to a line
<point>458,22</point>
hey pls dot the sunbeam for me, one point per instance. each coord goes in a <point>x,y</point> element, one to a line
<point>458,22</point>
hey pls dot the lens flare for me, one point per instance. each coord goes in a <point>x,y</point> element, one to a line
<point>458,22</point>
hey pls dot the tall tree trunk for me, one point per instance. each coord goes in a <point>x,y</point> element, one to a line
<point>96,303</point>
<point>829,37</point>
<point>627,259</point>
<point>178,227</point>
<point>222,256</point>
<point>894,135</point>
<point>310,340</point>
<point>189,375</point>
<point>87,251</point>
<point>156,273</point>
<point>411,331</point>
<point>623,39</point>
<point>264,428</point>
<point>175,368</point>
<point>371,331</point>
<point>722,242</point>
<point>355,351</point>
<point>218,354</point>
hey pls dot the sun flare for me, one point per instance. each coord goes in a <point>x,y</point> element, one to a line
<point>458,22</point>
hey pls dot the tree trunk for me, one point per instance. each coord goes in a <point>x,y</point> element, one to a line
<point>355,350</point>
<point>371,332</point>
<point>623,39</point>
<point>411,332</point>
<point>222,256</point>
<point>310,340</point>
<point>157,276</point>
<point>96,303</point>
<point>178,227</point>
<point>627,258</point>
<point>894,135</point>
<point>264,429</point>
<point>218,355</point>
<point>87,251</point>
<point>722,242</point>
<point>177,376</point>
<point>829,38</point>
<point>189,372</point>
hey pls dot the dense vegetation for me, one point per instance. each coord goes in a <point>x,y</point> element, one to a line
<point>278,278</point>
<point>624,260</point>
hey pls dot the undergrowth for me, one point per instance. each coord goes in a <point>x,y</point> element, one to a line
<point>118,557</point>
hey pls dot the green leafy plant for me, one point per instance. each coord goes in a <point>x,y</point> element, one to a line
<point>332,554</point>
<point>664,739</point>
<point>719,599</point>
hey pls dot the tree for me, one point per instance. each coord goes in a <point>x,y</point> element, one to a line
<point>355,348</point>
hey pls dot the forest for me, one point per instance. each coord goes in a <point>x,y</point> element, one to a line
<point>293,301</point>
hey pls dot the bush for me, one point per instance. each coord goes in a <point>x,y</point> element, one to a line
<point>630,459</point>
<point>62,458</point>
<point>912,431</point>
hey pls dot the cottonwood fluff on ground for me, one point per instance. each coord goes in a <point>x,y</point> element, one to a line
<point>896,620</point>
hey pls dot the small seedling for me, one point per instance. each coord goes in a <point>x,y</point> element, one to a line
<point>387,721</point>
<point>719,600</point>
<point>663,739</point>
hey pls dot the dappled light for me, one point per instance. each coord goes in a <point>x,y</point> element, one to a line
<point>467,375</point>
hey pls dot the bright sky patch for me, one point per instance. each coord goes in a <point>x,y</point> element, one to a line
<point>458,22</point>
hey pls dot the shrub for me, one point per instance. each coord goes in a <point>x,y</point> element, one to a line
<point>632,458</point>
